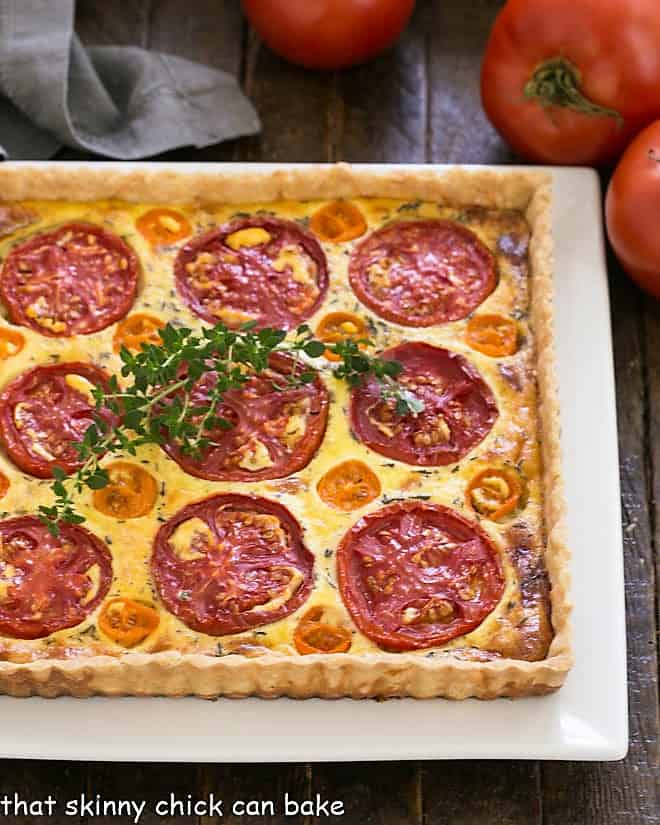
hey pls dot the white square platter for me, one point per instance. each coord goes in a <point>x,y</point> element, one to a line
<point>585,720</point>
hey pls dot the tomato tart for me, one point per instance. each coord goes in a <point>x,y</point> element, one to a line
<point>380,537</point>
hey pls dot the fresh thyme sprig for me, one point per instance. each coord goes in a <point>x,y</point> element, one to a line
<point>356,365</point>
<point>158,405</point>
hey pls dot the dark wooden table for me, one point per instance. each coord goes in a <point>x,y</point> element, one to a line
<point>418,103</point>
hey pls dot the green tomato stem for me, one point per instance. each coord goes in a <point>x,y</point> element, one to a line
<point>556,82</point>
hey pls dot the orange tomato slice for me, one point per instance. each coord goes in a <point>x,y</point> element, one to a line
<point>131,493</point>
<point>4,485</point>
<point>349,485</point>
<point>128,622</point>
<point>11,342</point>
<point>163,226</point>
<point>136,330</point>
<point>338,222</point>
<point>313,635</point>
<point>340,326</point>
<point>494,492</point>
<point>493,335</point>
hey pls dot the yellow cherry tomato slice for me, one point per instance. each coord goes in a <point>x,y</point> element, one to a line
<point>338,222</point>
<point>313,635</point>
<point>162,227</point>
<point>11,342</point>
<point>137,330</point>
<point>4,485</point>
<point>340,326</point>
<point>493,335</point>
<point>131,493</point>
<point>127,622</point>
<point>349,485</point>
<point>494,492</point>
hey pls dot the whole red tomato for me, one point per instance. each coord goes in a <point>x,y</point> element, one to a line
<point>632,209</point>
<point>328,34</point>
<point>571,81</point>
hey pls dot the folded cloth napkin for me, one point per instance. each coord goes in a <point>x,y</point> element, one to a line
<point>118,101</point>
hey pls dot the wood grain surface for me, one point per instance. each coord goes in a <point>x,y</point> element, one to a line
<point>419,102</point>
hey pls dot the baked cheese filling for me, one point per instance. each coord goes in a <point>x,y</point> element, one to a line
<point>323,519</point>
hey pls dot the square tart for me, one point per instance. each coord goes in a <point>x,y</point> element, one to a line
<point>424,555</point>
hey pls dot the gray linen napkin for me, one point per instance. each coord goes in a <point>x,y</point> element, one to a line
<point>119,101</point>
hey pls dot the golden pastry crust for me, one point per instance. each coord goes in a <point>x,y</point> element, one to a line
<point>527,648</point>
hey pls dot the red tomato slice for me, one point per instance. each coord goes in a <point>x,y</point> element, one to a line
<point>571,82</point>
<point>47,583</point>
<point>420,273</point>
<point>263,270</point>
<point>275,430</point>
<point>416,575</point>
<point>44,411</point>
<point>459,408</point>
<point>75,280</point>
<point>632,208</point>
<point>230,562</point>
